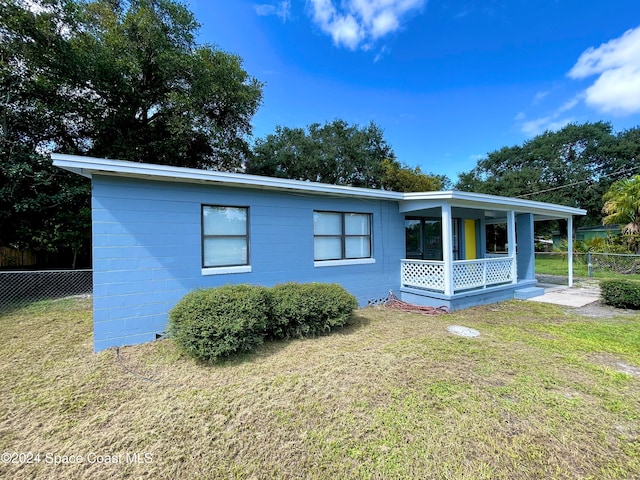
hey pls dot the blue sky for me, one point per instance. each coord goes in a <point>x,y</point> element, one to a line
<point>448,81</point>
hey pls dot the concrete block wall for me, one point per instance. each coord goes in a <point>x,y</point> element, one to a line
<point>147,249</point>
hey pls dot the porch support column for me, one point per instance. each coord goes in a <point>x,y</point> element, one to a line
<point>525,255</point>
<point>511,244</point>
<point>447,248</point>
<point>570,249</point>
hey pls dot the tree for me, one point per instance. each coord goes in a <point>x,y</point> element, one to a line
<point>36,71</point>
<point>622,206</point>
<point>163,98</point>
<point>336,153</point>
<point>402,178</point>
<point>573,166</point>
<point>112,79</point>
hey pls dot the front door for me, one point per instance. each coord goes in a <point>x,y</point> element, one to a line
<point>470,240</point>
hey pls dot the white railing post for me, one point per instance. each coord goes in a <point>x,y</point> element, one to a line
<point>447,248</point>
<point>570,248</point>
<point>484,274</point>
<point>511,244</point>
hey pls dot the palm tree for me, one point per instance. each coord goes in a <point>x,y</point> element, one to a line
<point>622,206</point>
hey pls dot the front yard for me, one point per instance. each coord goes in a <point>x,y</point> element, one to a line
<point>542,393</point>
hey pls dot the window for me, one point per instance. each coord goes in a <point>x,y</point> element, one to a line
<point>423,236</point>
<point>341,236</point>
<point>225,236</point>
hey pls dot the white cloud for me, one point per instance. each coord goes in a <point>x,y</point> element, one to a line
<point>539,96</point>
<point>568,105</point>
<point>281,9</point>
<point>541,125</point>
<point>617,62</point>
<point>357,23</point>
<point>552,122</point>
<point>383,51</point>
<point>264,9</point>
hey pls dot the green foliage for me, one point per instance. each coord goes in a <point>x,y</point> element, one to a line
<point>217,322</point>
<point>611,244</point>
<point>300,310</point>
<point>336,153</point>
<point>573,166</point>
<point>621,293</point>
<point>622,206</point>
<point>165,98</point>
<point>108,79</point>
<point>402,178</point>
<point>42,209</point>
<point>339,154</point>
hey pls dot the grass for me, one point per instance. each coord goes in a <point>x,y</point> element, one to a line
<point>540,394</point>
<point>552,264</point>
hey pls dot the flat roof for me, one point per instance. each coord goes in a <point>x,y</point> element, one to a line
<point>408,202</point>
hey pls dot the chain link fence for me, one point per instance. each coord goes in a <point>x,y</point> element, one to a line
<point>588,264</point>
<point>614,262</point>
<point>18,289</point>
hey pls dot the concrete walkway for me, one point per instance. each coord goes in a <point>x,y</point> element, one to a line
<point>577,296</point>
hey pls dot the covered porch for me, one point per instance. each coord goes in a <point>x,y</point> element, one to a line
<point>447,259</point>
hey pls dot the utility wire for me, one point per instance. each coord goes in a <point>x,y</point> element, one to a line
<point>617,172</point>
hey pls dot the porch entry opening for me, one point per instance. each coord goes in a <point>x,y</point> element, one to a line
<point>423,237</point>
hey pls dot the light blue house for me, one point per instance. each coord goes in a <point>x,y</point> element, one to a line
<point>160,232</point>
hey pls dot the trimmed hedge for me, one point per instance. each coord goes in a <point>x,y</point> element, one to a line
<point>621,293</point>
<point>216,322</point>
<point>303,309</point>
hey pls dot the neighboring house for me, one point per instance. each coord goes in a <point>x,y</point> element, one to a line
<point>584,234</point>
<point>159,232</point>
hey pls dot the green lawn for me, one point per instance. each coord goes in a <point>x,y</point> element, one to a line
<point>540,394</point>
<point>557,265</point>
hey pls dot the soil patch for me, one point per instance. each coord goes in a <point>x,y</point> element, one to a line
<point>602,310</point>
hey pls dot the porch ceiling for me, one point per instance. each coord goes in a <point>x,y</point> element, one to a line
<point>495,207</point>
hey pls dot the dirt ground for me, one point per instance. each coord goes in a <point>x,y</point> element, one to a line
<point>600,310</point>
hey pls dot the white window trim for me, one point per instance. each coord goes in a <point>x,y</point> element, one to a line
<point>347,261</point>
<point>343,237</point>
<point>226,270</point>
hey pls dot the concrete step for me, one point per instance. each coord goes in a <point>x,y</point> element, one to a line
<point>529,292</point>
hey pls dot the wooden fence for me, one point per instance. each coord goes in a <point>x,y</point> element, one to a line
<point>10,257</point>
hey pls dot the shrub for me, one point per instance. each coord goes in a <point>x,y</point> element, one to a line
<point>216,322</point>
<point>621,293</point>
<point>300,310</point>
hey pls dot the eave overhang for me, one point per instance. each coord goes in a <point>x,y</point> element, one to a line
<point>407,202</point>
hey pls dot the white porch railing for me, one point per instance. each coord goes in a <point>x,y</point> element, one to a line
<point>427,274</point>
<point>467,274</point>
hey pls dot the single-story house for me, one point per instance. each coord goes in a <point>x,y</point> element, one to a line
<point>160,232</point>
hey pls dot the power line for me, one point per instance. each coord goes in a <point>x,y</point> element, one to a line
<point>618,172</point>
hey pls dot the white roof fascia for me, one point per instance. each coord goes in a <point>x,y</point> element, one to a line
<point>89,166</point>
<point>419,201</point>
